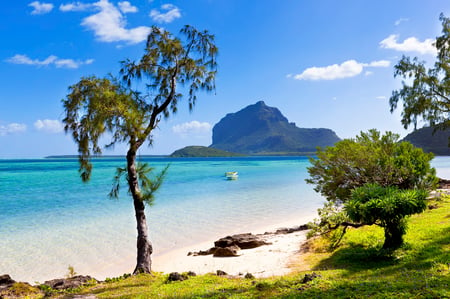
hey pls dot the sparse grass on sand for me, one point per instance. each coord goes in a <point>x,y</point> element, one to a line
<point>357,269</point>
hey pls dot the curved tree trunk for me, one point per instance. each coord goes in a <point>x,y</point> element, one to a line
<point>393,235</point>
<point>144,246</point>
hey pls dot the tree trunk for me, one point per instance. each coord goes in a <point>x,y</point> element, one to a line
<point>144,246</point>
<point>393,234</point>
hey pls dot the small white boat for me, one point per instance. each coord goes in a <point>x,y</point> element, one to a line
<point>231,175</point>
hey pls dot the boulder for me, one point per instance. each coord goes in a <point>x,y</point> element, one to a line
<point>68,283</point>
<point>310,277</point>
<point>443,184</point>
<point>6,281</point>
<point>226,251</point>
<point>202,252</point>
<point>243,241</point>
<point>221,273</point>
<point>290,230</point>
<point>175,276</point>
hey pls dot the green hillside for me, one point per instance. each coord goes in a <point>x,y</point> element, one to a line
<point>201,151</point>
<point>437,143</point>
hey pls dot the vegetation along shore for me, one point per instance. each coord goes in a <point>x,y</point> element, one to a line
<point>356,269</point>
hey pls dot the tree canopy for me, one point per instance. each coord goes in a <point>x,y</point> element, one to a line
<point>129,108</point>
<point>369,158</point>
<point>386,207</point>
<point>346,175</point>
<point>425,92</point>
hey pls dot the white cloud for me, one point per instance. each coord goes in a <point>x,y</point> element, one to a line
<point>401,20</point>
<point>379,63</point>
<point>171,13</point>
<point>12,128</point>
<point>126,7</point>
<point>51,60</point>
<point>49,125</point>
<point>75,6</point>
<point>410,44</point>
<point>109,25</point>
<point>347,69</point>
<point>368,73</point>
<point>193,129</point>
<point>40,8</point>
<point>381,98</point>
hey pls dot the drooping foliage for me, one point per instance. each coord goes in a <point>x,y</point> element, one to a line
<point>387,207</point>
<point>128,109</point>
<point>131,109</point>
<point>425,92</point>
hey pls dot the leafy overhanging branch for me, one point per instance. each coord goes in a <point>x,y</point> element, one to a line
<point>425,92</point>
<point>148,185</point>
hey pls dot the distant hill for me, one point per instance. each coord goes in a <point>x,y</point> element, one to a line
<point>424,138</point>
<point>201,151</point>
<point>260,129</point>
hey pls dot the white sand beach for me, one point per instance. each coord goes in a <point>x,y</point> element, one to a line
<point>263,261</point>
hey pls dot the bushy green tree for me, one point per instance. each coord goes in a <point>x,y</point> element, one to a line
<point>130,108</point>
<point>387,207</point>
<point>425,92</point>
<point>371,158</point>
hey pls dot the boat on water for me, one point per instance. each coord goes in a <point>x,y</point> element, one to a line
<point>231,175</point>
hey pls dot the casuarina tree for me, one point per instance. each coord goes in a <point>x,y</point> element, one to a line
<point>129,108</point>
<point>425,92</point>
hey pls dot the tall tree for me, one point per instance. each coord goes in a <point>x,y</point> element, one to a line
<point>370,158</point>
<point>130,108</point>
<point>425,92</point>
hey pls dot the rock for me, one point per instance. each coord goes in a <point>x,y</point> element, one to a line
<point>203,252</point>
<point>69,283</point>
<point>227,251</point>
<point>175,276</point>
<point>6,281</point>
<point>243,241</point>
<point>310,277</point>
<point>191,273</point>
<point>433,206</point>
<point>221,273</point>
<point>443,184</point>
<point>249,276</point>
<point>285,230</point>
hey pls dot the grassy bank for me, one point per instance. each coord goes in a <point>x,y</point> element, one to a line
<point>357,269</point>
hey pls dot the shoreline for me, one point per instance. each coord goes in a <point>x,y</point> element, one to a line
<point>263,261</point>
<point>267,260</point>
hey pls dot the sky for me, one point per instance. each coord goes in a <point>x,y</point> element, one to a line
<point>323,63</point>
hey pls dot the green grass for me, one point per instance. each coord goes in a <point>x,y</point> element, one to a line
<point>357,269</point>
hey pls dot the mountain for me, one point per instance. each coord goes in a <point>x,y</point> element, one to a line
<point>260,129</point>
<point>201,151</point>
<point>436,143</point>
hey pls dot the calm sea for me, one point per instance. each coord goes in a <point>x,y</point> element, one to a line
<point>49,219</point>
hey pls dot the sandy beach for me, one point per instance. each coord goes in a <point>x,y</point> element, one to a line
<point>263,261</point>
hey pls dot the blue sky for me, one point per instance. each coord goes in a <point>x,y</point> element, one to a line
<point>323,63</point>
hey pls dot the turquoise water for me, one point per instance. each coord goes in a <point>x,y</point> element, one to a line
<point>49,219</point>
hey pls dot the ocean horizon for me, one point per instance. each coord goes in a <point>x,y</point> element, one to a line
<point>50,220</point>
